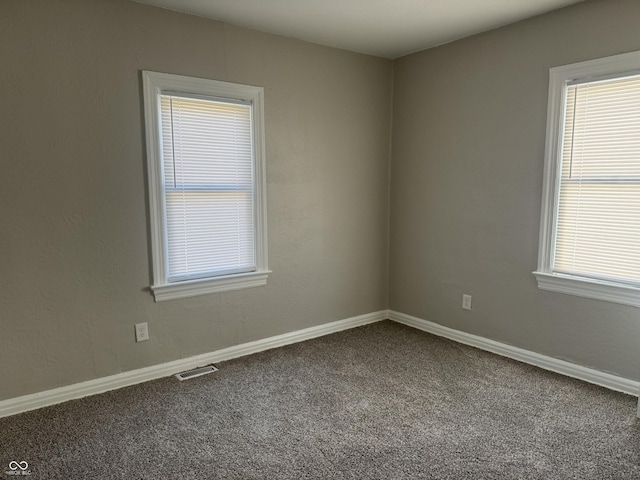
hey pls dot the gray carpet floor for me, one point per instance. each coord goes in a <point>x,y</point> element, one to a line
<point>382,401</point>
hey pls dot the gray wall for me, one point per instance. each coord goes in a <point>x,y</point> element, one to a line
<point>468,146</point>
<point>74,252</point>
<point>469,121</point>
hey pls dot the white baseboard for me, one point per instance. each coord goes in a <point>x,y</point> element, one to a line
<point>590,375</point>
<point>33,401</point>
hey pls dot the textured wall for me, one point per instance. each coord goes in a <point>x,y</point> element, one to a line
<point>466,181</point>
<point>74,250</point>
<point>469,124</point>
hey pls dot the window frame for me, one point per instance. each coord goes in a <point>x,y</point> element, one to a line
<point>559,78</point>
<point>154,84</point>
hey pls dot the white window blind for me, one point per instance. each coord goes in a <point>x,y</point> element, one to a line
<point>208,179</point>
<point>598,218</point>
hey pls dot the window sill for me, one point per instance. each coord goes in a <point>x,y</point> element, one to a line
<point>589,288</point>
<point>192,288</point>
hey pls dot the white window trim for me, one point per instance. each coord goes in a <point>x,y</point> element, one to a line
<point>153,84</point>
<point>546,278</point>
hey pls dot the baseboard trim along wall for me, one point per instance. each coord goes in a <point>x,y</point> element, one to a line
<point>34,401</point>
<point>563,367</point>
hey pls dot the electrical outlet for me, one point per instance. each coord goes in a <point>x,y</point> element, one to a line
<point>142,332</point>
<point>466,301</point>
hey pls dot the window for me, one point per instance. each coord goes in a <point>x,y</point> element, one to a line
<point>590,221</point>
<point>205,152</point>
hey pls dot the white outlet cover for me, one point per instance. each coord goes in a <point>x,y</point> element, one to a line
<point>142,332</point>
<point>466,301</point>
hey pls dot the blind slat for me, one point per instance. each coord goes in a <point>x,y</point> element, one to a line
<point>598,218</point>
<point>208,179</point>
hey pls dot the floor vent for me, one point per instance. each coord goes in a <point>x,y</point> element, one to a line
<point>196,372</point>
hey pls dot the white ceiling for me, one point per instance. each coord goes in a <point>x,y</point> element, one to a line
<point>386,28</point>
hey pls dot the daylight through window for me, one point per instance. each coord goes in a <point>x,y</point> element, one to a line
<point>590,227</point>
<point>207,185</point>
